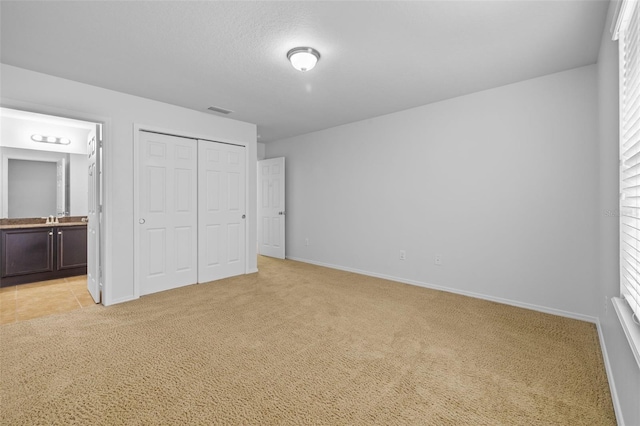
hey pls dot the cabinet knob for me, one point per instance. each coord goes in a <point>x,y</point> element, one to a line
<point>51,233</point>
<point>141,221</point>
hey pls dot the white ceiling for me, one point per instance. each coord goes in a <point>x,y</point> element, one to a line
<point>377,57</point>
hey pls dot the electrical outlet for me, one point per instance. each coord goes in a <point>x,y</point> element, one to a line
<point>438,260</point>
<point>306,241</point>
<point>403,255</point>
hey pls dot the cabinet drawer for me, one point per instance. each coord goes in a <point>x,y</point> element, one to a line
<point>26,251</point>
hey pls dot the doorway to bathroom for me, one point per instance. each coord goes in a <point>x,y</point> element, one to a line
<point>61,231</point>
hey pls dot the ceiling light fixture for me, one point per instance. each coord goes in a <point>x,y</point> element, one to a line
<point>303,58</point>
<point>51,139</point>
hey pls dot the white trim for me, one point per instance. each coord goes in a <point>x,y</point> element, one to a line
<point>247,214</point>
<point>185,134</point>
<point>118,301</point>
<point>136,208</point>
<point>624,312</point>
<point>620,15</point>
<point>614,29</point>
<point>518,304</point>
<point>631,330</point>
<point>107,165</point>
<point>612,386</point>
<point>137,127</point>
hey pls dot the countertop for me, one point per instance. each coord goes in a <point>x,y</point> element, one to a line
<point>42,225</point>
<point>38,222</point>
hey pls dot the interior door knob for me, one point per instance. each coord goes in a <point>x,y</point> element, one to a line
<point>141,221</point>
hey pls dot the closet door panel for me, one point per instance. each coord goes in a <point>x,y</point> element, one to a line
<point>221,210</point>
<point>168,209</point>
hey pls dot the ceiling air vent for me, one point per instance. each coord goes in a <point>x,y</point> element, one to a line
<point>220,110</point>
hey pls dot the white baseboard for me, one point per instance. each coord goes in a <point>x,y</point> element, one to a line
<point>612,386</point>
<point>118,301</point>
<point>516,303</point>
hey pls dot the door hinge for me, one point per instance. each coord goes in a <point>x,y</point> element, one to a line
<point>100,208</point>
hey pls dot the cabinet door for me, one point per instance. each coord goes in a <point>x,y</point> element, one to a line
<point>26,251</point>
<point>72,247</point>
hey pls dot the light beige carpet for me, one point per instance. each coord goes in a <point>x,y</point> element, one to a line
<point>301,344</point>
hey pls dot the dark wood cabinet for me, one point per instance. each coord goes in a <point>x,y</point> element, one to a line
<point>72,247</point>
<point>43,253</point>
<point>27,251</point>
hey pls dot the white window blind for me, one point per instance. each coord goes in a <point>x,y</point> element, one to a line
<point>629,48</point>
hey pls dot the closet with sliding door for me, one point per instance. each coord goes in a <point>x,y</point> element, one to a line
<point>191,215</point>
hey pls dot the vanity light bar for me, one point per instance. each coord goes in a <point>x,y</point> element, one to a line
<point>51,139</point>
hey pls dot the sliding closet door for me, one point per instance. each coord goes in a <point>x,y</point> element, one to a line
<point>221,210</point>
<point>168,215</point>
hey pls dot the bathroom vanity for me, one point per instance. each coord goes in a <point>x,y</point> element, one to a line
<point>34,250</point>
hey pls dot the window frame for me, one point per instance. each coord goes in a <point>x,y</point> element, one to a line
<point>624,311</point>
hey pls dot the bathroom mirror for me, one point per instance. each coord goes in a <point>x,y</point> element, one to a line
<point>43,165</point>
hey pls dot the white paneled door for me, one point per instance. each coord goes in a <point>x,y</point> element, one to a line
<point>168,215</point>
<point>221,210</point>
<point>271,212</point>
<point>93,216</point>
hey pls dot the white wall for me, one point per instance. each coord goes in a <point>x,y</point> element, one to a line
<point>624,372</point>
<point>499,183</point>
<point>15,136</point>
<point>42,93</point>
<point>16,133</point>
<point>261,151</point>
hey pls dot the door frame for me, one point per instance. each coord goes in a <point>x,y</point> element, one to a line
<point>137,127</point>
<point>105,260</point>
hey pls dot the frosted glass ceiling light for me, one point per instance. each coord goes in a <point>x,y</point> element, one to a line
<point>51,139</point>
<point>303,58</point>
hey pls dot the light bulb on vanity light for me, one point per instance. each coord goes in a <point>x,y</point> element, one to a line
<point>51,139</point>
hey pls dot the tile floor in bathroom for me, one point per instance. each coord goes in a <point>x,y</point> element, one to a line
<point>33,300</point>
